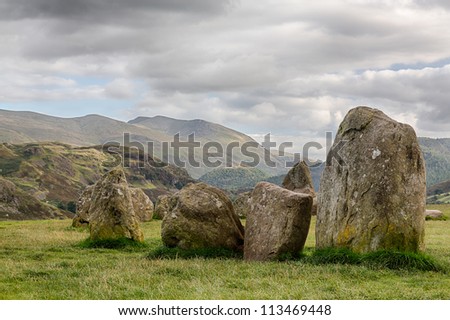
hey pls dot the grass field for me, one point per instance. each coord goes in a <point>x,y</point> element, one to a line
<point>44,260</point>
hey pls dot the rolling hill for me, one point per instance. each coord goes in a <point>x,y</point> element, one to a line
<point>24,127</point>
<point>437,158</point>
<point>54,174</point>
<point>207,132</point>
<point>442,187</point>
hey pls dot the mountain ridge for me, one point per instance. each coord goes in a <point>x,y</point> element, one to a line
<point>27,127</point>
<point>94,129</point>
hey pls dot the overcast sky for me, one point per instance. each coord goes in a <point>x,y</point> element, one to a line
<point>289,67</point>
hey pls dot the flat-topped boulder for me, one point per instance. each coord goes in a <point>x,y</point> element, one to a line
<point>277,223</point>
<point>373,189</point>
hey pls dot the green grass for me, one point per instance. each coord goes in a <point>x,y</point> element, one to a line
<point>164,252</point>
<point>121,243</point>
<point>51,260</point>
<point>377,260</point>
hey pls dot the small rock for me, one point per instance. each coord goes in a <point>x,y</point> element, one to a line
<point>434,215</point>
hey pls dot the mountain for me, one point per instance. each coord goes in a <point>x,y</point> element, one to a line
<point>204,131</point>
<point>24,127</point>
<point>437,159</point>
<point>54,174</point>
<point>208,132</point>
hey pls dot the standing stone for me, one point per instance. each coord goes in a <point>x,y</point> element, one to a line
<point>299,180</point>
<point>201,216</point>
<point>162,207</point>
<point>242,204</point>
<point>111,212</point>
<point>278,222</point>
<point>374,199</point>
<point>142,205</point>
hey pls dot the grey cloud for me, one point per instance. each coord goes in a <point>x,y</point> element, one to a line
<point>236,62</point>
<point>433,3</point>
<point>104,9</point>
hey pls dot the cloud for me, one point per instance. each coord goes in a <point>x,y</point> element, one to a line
<point>120,89</point>
<point>293,68</point>
<point>105,10</point>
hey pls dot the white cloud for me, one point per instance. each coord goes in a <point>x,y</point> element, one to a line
<point>120,89</point>
<point>293,68</point>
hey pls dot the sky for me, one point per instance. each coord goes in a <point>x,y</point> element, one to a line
<point>289,67</point>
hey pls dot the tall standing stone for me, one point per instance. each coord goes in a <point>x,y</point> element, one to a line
<point>111,211</point>
<point>372,194</point>
<point>277,223</point>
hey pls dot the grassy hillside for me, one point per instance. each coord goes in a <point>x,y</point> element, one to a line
<point>56,173</point>
<point>437,158</point>
<point>44,260</point>
<point>234,178</point>
<point>15,204</point>
<point>443,198</point>
<point>442,187</point>
<point>24,126</point>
